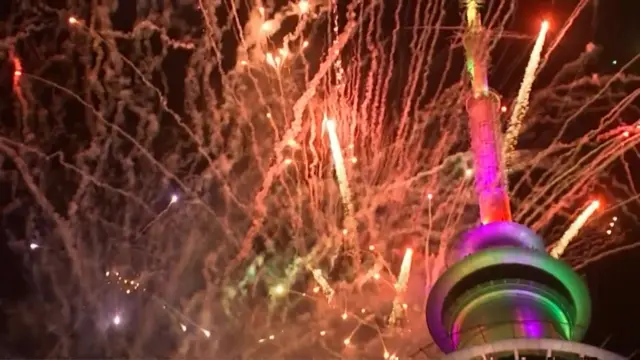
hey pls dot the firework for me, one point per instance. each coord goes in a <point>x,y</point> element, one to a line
<point>573,229</point>
<point>522,101</point>
<point>190,147</point>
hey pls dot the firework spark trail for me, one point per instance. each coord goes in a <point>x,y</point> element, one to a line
<point>401,286</point>
<point>163,101</point>
<point>405,270</point>
<point>291,133</point>
<point>419,44</point>
<point>343,183</point>
<point>472,11</point>
<point>574,15</point>
<point>327,290</point>
<point>572,175</point>
<point>522,101</point>
<point>377,85</point>
<point>573,229</point>
<point>17,75</point>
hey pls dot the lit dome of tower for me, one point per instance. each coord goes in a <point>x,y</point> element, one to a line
<point>506,286</point>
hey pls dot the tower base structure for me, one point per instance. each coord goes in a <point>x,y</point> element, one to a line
<point>504,286</point>
<point>533,349</point>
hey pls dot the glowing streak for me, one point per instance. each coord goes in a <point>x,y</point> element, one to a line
<point>327,290</point>
<point>472,12</point>
<point>17,72</point>
<point>272,60</point>
<point>401,286</point>
<point>341,174</point>
<point>573,229</point>
<point>405,270</point>
<point>522,101</point>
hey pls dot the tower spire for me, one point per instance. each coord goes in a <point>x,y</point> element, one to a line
<point>502,285</point>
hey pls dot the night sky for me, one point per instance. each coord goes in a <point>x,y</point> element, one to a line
<point>614,281</point>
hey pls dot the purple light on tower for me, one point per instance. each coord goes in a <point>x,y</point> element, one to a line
<point>529,323</point>
<point>487,156</point>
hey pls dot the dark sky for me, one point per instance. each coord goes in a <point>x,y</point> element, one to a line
<point>614,281</point>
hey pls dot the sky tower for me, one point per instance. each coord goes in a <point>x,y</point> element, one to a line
<point>503,295</point>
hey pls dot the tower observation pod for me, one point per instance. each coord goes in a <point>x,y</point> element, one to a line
<point>503,296</point>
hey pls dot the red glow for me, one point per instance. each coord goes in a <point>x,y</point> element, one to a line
<point>503,109</point>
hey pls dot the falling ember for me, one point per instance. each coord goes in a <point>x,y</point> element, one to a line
<point>303,6</point>
<point>522,101</point>
<point>279,290</point>
<point>273,60</point>
<point>573,229</point>
<point>341,174</point>
<point>17,72</point>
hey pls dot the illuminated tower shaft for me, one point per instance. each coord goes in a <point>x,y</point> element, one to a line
<point>487,156</point>
<point>486,141</point>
